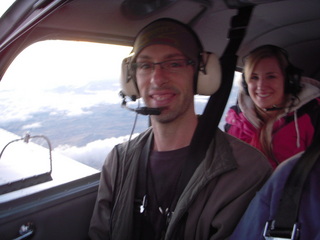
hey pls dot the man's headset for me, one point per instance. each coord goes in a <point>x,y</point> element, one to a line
<point>292,73</point>
<point>207,82</point>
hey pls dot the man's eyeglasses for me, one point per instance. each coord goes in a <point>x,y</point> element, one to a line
<point>175,65</point>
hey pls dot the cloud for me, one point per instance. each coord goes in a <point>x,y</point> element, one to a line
<point>21,105</point>
<point>94,153</point>
<point>33,125</point>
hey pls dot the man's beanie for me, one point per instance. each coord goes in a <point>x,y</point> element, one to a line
<point>169,32</point>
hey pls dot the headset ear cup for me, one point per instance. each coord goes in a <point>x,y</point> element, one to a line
<point>244,84</point>
<point>209,76</point>
<point>127,80</point>
<point>293,80</point>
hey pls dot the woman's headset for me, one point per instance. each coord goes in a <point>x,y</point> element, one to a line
<point>208,80</point>
<point>292,73</point>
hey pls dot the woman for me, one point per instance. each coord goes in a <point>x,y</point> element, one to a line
<point>277,110</point>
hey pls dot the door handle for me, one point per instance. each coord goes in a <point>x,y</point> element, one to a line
<point>26,231</point>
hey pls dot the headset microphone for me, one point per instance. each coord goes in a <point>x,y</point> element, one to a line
<point>273,108</point>
<point>140,110</point>
<point>147,111</point>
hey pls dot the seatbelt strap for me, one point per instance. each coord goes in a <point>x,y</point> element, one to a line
<point>142,174</point>
<point>286,225</point>
<point>209,121</point>
<point>140,200</point>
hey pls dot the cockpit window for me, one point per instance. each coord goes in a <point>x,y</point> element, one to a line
<point>69,92</point>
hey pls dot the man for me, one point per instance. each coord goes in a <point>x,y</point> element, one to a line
<point>140,190</point>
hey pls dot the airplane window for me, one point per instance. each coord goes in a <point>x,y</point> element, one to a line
<point>69,92</point>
